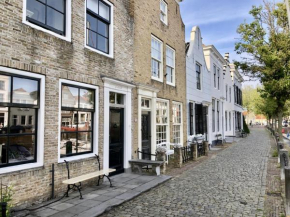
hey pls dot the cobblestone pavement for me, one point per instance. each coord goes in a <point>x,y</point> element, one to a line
<point>232,183</point>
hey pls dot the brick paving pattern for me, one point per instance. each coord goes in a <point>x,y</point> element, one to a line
<point>231,183</point>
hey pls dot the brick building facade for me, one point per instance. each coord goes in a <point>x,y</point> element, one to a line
<point>71,62</point>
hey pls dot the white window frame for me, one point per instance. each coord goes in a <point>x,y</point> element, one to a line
<point>160,79</point>
<point>218,78</point>
<point>230,121</point>
<point>68,22</point>
<point>230,94</point>
<point>226,120</point>
<point>200,73</point>
<point>40,122</point>
<point>168,120</point>
<point>226,92</point>
<point>213,111</point>
<point>214,75</point>
<point>173,67</point>
<point>165,13</point>
<point>178,124</point>
<point>111,32</point>
<point>96,122</point>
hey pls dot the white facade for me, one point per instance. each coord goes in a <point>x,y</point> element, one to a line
<point>197,94</point>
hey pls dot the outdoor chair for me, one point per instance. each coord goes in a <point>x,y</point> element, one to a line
<point>169,151</point>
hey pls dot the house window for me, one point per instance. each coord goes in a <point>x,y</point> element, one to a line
<point>1,97</point>
<point>218,81</point>
<point>163,12</point>
<point>170,65</point>
<point>213,115</point>
<point>176,119</point>
<point>218,115</point>
<point>214,76</point>
<point>198,84</point>
<point>2,85</point>
<point>48,14</point>
<point>162,122</point>
<point>156,58</point>
<point>145,103</point>
<point>77,115</point>
<point>116,98</point>
<point>230,94</point>
<point>226,120</point>
<point>191,118</point>
<point>226,92</point>
<point>98,25</point>
<point>18,143</point>
<point>230,121</point>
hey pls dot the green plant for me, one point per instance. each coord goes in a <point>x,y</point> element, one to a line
<point>245,126</point>
<point>7,197</point>
<point>275,153</point>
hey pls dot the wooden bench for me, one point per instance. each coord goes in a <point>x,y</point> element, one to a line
<point>76,182</point>
<point>137,165</point>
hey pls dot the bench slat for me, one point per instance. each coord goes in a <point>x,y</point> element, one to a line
<point>87,176</point>
<point>140,161</point>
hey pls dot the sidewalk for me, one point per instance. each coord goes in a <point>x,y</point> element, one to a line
<point>98,199</point>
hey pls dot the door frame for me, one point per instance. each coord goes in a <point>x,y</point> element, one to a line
<point>112,85</point>
<point>149,114</point>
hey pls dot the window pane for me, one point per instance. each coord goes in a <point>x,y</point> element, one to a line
<point>68,144</point>
<point>87,98</point>
<point>103,28</point>
<point>91,39</point>
<point>69,121</point>
<point>35,10</point>
<point>3,150</point>
<point>5,86</point>
<point>120,99</point>
<point>93,5</point>
<point>70,96</point>
<point>112,97</point>
<point>19,121</point>
<point>21,148</point>
<point>85,121</point>
<point>57,4</point>
<point>25,91</point>
<point>84,142</point>
<point>102,44</point>
<point>55,19</point>
<point>91,23</point>
<point>169,74</point>
<point>155,68</point>
<point>104,11</point>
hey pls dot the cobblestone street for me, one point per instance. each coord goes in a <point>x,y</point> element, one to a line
<point>232,183</point>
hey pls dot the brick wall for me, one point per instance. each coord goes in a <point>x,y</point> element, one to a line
<point>25,48</point>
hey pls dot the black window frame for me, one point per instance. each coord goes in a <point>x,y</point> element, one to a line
<point>198,76</point>
<point>44,25</point>
<point>213,115</point>
<point>98,17</point>
<point>218,81</point>
<point>191,118</point>
<point>218,114</point>
<point>79,109</point>
<point>214,75</point>
<point>10,105</point>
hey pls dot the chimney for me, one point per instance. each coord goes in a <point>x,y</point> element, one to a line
<point>227,57</point>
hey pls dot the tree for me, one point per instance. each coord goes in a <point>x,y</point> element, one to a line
<point>266,42</point>
<point>250,97</point>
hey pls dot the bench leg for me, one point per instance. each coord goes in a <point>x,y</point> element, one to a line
<point>99,181</point>
<point>79,189</point>
<point>109,180</point>
<point>68,189</point>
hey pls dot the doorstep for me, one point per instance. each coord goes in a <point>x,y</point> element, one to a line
<point>96,200</point>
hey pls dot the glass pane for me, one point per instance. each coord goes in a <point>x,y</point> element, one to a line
<point>104,11</point>
<point>102,44</point>
<point>91,39</point>
<point>69,120</point>
<point>5,86</point>
<point>112,98</point>
<point>21,148</point>
<point>55,19</point>
<point>91,23</point>
<point>35,10</point>
<point>84,142</point>
<point>103,28</point>
<point>85,121</point>
<point>57,4</point>
<point>70,96</point>
<point>3,150</point>
<point>22,120</point>
<point>68,144</point>
<point>3,119</point>
<point>120,99</point>
<point>25,91</point>
<point>93,5</point>
<point>87,98</point>
<point>169,74</point>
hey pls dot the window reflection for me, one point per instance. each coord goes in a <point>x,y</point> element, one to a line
<point>86,99</point>
<point>25,91</point>
<point>5,83</point>
<point>70,96</point>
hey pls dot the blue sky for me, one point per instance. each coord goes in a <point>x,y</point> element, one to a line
<point>218,21</point>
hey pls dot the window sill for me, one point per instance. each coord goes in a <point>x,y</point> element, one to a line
<point>76,158</point>
<point>171,84</point>
<point>20,168</point>
<point>156,79</point>
<point>111,56</point>
<point>66,38</point>
<point>166,24</point>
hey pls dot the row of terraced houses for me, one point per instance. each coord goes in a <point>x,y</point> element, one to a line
<point>106,77</point>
